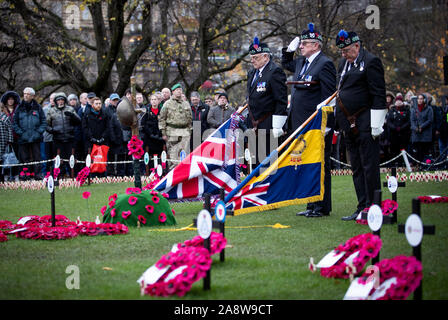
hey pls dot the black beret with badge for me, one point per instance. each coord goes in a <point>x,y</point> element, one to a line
<point>311,33</point>
<point>256,47</point>
<point>344,38</point>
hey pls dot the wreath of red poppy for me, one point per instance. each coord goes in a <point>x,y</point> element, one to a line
<point>435,199</point>
<point>188,263</point>
<point>407,272</point>
<point>41,228</point>
<point>388,207</point>
<point>368,246</point>
<point>135,147</point>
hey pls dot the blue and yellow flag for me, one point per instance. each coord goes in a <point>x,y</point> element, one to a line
<point>296,177</point>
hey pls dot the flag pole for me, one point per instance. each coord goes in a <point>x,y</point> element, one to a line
<point>231,194</point>
<point>303,125</point>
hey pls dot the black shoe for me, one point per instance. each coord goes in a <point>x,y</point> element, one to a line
<point>352,217</point>
<point>314,214</point>
<point>304,213</point>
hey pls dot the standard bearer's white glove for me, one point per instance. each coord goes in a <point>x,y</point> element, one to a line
<point>377,117</point>
<point>376,132</point>
<point>293,45</point>
<point>276,132</point>
<point>277,125</point>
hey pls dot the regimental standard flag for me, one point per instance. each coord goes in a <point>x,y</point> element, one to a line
<point>296,177</point>
<point>210,167</point>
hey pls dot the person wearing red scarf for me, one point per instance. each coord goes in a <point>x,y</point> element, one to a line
<point>421,129</point>
<point>152,137</point>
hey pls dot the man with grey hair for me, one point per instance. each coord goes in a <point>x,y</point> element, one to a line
<point>268,99</point>
<point>29,124</point>
<point>316,81</point>
<point>166,93</point>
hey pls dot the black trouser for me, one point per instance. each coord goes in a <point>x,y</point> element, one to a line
<point>30,152</point>
<point>65,150</point>
<point>116,169</point>
<point>423,149</point>
<point>324,206</point>
<point>364,152</point>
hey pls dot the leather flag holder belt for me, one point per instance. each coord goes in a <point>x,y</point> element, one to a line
<point>350,117</point>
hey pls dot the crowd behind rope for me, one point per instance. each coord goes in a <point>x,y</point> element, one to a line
<point>67,125</point>
<point>70,125</point>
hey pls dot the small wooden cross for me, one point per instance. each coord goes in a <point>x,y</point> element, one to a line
<point>393,219</point>
<point>417,250</point>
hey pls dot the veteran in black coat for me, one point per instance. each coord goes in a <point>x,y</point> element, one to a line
<point>267,98</point>
<point>360,113</point>
<point>319,72</point>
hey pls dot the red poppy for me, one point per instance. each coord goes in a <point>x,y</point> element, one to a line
<point>86,194</point>
<point>126,214</point>
<point>132,200</point>
<point>149,208</point>
<point>162,217</point>
<point>142,219</point>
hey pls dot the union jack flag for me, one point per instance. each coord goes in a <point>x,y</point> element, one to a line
<point>210,167</point>
<point>249,195</point>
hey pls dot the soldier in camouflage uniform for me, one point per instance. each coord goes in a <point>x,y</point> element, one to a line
<point>175,123</point>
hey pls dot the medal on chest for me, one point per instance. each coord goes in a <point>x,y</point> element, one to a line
<point>261,86</point>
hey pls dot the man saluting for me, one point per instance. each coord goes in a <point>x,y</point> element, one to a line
<point>318,73</point>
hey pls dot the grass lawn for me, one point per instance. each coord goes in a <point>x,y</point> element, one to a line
<point>262,262</point>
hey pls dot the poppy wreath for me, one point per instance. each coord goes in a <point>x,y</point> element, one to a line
<point>388,207</point>
<point>217,242</point>
<point>41,228</point>
<point>82,175</point>
<point>434,199</point>
<point>139,207</point>
<point>368,246</point>
<point>87,228</point>
<point>48,233</point>
<point>407,272</point>
<point>186,266</point>
<point>3,237</point>
<point>135,147</point>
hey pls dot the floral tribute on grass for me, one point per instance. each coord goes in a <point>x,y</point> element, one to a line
<point>357,251</point>
<point>137,207</point>
<point>36,227</point>
<point>433,199</point>
<point>388,207</point>
<point>403,275</point>
<point>177,270</point>
<point>3,237</point>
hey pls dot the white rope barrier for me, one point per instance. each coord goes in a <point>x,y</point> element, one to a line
<point>178,161</point>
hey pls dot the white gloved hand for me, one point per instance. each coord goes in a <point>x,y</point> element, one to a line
<point>277,124</point>
<point>276,132</point>
<point>377,117</point>
<point>293,45</point>
<point>376,132</point>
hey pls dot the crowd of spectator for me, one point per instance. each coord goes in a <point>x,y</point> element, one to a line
<point>416,123</point>
<point>69,125</point>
